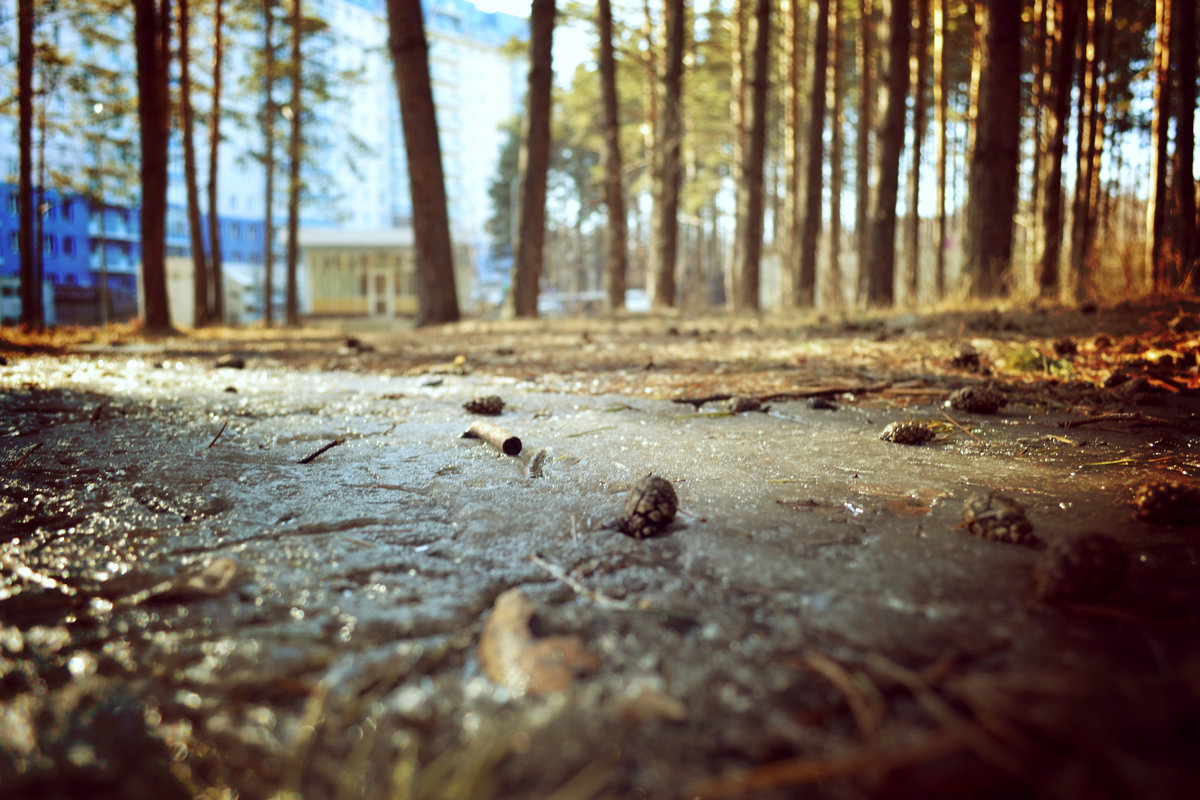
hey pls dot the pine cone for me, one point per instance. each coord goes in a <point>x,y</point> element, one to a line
<point>740,403</point>
<point>649,507</point>
<point>1086,567</point>
<point>999,518</point>
<point>907,432</point>
<point>985,399</point>
<point>490,405</point>
<point>1167,503</point>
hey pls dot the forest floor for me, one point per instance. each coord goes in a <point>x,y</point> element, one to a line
<point>263,563</point>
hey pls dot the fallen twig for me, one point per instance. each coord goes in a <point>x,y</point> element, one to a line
<point>313,457</point>
<point>798,394</point>
<point>218,436</point>
<point>496,436</point>
<point>28,453</point>
<point>809,769</point>
<point>596,597</point>
<point>972,735</point>
<point>867,715</point>
<point>1131,418</point>
<point>958,425</point>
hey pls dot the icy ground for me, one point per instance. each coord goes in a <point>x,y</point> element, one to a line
<point>185,606</point>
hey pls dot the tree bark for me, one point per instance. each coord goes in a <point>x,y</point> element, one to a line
<point>748,253</point>
<point>941,103</point>
<point>437,295</point>
<point>31,290</point>
<point>615,262</point>
<point>200,301</point>
<point>833,286</point>
<point>866,122</point>
<point>793,142</point>
<point>920,60</point>
<point>268,124</point>
<point>152,35</point>
<point>295,155</point>
<point>535,161</point>
<point>670,166</point>
<point>214,150</point>
<point>880,269</point>
<point>1050,230</point>
<point>1091,133</point>
<point>992,181</point>
<point>811,213</point>
<point>1184,24</point>
<point>737,117</point>
<point>1159,270</point>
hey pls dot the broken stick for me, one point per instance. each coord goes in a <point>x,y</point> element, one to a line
<point>496,436</point>
<point>310,458</point>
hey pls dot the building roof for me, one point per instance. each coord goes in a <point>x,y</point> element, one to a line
<point>338,239</point>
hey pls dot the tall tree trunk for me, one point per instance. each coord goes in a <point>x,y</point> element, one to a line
<point>31,290</point>
<point>1041,67</point>
<point>879,275</point>
<point>615,264</point>
<point>737,116</point>
<point>814,163</point>
<point>748,251</point>
<point>295,156</point>
<point>200,300</point>
<point>866,123</point>
<point>941,104</point>
<point>793,141</point>
<point>152,34</point>
<point>992,181</point>
<point>268,124</point>
<point>1050,231</point>
<point>214,151</point>
<point>670,144</point>
<point>437,295</point>
<point>1161,272</point>
<point>1184,24</point>
<point>535,162</point>
<point>649,61</point>
<point>920,60</point>
<point>833,286</point>
<point>1083,203</point>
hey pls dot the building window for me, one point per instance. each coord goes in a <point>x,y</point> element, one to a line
<point>49,245</point>
<point>68,210</point>
<point>14,203</point>
<point>14,241</point>
<point>68,245</point>
<point>236,230</point>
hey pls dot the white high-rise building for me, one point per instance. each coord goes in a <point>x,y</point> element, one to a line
<point>356,169</point>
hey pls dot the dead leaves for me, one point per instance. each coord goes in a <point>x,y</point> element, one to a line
<point>513,658</point>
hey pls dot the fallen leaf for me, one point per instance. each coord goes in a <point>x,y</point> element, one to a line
<point>513,658</point>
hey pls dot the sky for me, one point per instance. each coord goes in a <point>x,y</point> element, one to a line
<point>518,8</point>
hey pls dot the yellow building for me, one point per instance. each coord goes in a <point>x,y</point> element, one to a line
<point>349,273</point>
<point>358,273</point>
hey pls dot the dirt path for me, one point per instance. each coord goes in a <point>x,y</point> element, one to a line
<point>271,563</point>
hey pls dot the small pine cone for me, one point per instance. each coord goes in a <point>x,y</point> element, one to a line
<point>907,432</point>
<point>999,518</point>
<point>985,399</point>
<point>966,357</point>
<point>1066,348</point>
<point>490,405</point>
<point>1167,503</point>
<point>649,507</point>
<point>740,403</point>
<point>1086,567</point>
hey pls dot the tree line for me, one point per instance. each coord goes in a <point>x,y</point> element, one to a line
<point>125,126</point>
<point>741,131</point>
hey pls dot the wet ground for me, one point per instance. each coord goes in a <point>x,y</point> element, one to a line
<point>264,565</point>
